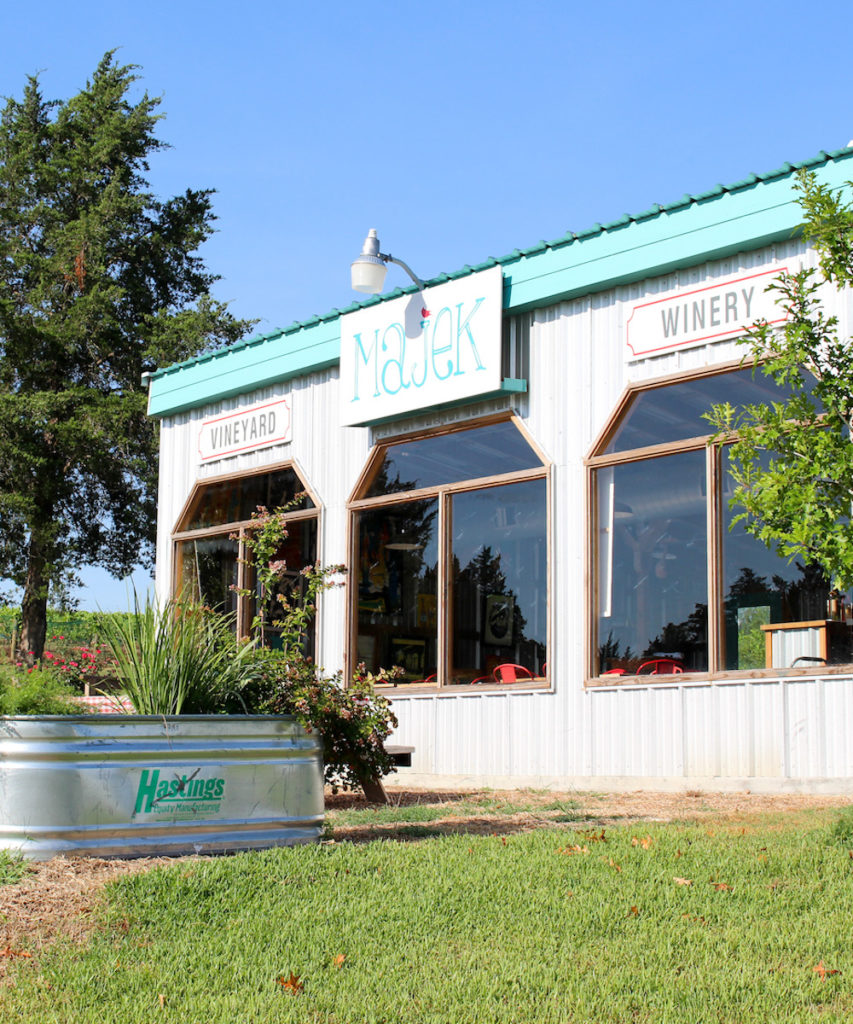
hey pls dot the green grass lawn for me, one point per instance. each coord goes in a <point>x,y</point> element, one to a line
<point>668,923</point>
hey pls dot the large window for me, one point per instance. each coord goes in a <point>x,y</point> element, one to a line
<point>450,579</point>
<point>676,588</point>
<point>210,549</point>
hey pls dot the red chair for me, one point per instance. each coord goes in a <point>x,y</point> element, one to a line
<point>509,673</point>
<point>661,667</point>
<point>614,672</point>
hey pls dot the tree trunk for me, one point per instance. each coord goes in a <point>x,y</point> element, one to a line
<point>34,604</point>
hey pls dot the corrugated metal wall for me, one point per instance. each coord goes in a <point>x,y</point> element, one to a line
<point>770,730</point>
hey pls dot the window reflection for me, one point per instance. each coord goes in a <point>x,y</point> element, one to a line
<point>298,550</point>
<point>450,458</point>
<point>652,563</point>
<point>397,589</point>
<point>208,571</point>
<point>234,501</point>
<point>499,566</point>
<point>761,589</point>
<point>208,565</point>
<point>674,412</point>
<point>481,548</point>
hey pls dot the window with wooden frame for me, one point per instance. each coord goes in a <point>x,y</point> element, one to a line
<point>209,542</point>
<point>676,586</point>
<point>449,574</point>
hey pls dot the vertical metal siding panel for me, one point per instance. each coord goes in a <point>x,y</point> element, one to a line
<point>805,721</point>
<point>634,741</point>
<point>614,726</point>
<point>558,417</point>
<point>733,731</point>
<point>663,743</point>
<point>699,731</point>
<point>767,729</point>
<point>414,729</point>
<point>527,730</point>
<point>838,705</point>
<point>604,714</point>
<point>601,707</point>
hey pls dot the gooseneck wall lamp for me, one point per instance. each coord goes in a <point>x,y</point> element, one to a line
<point>368,270</point>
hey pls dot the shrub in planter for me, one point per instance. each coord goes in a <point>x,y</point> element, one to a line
<point>353,720</point>
<point>179,659</point>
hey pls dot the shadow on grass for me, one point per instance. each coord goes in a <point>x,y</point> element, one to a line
<point>399,798</point>
<point>415,815</point>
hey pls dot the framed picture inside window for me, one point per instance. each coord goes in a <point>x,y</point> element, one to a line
<point>500,609</point>
<point>427,611</point>
<point>366,650</point>
<point>409,654</point>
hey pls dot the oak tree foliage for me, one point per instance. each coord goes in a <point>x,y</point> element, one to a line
<point>100,281</point>
<point>793,461</point>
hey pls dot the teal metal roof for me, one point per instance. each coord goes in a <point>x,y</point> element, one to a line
<point>756,211</point>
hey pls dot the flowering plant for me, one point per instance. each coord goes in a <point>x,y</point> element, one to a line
<point>354,722</point>
<point>79,664</point>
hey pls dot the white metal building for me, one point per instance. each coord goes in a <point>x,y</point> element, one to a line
<point>512,462</point>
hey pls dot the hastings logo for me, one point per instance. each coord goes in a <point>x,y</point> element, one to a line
<point>182,792</point>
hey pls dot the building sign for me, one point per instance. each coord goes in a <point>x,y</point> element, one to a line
<point>178,796</point>
<point>440,345</point>
<point>259,426</point>
<point>685,318</point>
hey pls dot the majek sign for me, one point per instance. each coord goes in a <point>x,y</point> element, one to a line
<point>697,315</point>
<point>437,346</point>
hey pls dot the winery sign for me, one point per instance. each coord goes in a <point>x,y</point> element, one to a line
<point>694,316</point>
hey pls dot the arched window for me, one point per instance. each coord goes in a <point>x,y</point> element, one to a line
<point>676,586</point>
<point>210,550</point>
<point>450,570</point>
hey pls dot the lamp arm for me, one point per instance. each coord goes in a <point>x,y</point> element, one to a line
<point>393,259</point>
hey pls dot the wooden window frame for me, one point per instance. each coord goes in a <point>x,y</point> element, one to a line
<point>245,576</point>
<point>714,527</point>
<point>443,493</point>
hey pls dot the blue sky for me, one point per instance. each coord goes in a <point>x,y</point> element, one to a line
<point>458,130</point>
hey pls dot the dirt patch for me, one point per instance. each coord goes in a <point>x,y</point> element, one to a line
<point>569,809</point>
<point>639,804</point>
<point>57,898</point>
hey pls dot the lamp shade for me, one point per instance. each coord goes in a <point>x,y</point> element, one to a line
<point>368,270</point>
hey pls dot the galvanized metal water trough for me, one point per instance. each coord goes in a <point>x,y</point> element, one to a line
<point>133,785</point>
